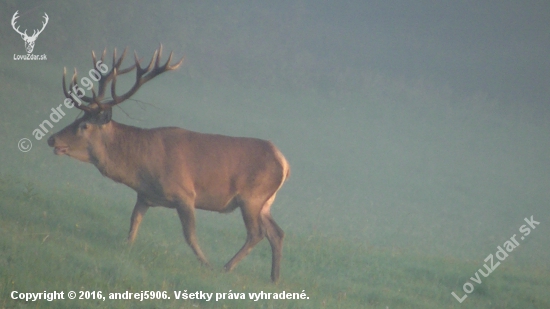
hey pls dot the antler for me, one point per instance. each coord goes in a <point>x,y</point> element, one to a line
<point>13,22</point>
<point>68,96</point>
<point>143,75</point>
<point>44,23</point>
<point>34,33</point>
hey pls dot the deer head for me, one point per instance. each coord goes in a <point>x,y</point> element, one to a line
<point>98,111</point>
<point>29,40</point>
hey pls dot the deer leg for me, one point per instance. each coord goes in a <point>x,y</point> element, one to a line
<point>137,215</point>
<point>254,235</point>
<point>187,218</point>
<point>275,236</point>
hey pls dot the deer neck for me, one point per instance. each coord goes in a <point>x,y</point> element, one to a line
<point>117,153</point>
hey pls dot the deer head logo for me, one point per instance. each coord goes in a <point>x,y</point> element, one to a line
<point>29,40</point>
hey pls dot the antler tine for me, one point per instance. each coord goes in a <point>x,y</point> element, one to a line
<point>167,64</point>
<point>73,79</point>
<point>139,81</point>
<point>74,83</point>
<point>105,78</point>
<point>154,60</point>
<point>136,61</point>
<point>158,56</point>
<point>143,75</point>
<point>119,61</point>
<point>113,92</point>
<point>169,67</point>
<point>135,65</point>
<point>114,61</point>
<point>177,65</point>
<point>128,69</point>
<point>160,69</point>
<point>101,59</point>
<point>94,59</point>
<point>68,96</point>
<point>116,65</point>
<point>94,97</point>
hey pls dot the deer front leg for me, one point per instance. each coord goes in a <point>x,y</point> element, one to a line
<point>137,215</point>
<point>187,218</point>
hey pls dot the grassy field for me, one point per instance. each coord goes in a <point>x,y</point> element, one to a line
<point>407,235</point>
<point>400,187</point>
<point>71,240</point>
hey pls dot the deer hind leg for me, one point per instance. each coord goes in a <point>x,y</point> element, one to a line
<point>137,215</point>
<point>187,218</point>
<point>275,236</point>
<point>254,233</point>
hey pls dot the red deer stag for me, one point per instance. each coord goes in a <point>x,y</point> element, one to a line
<point>174,167</point>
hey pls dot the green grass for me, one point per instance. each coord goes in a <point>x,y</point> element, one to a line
<point>71,240</point>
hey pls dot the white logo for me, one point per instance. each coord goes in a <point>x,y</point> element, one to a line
<point>29,40</point>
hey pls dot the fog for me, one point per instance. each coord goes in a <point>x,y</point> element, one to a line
<point>416,125</point>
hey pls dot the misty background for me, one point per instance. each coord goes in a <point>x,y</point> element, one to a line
<point>418,126</point>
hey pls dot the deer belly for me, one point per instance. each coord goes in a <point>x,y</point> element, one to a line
<point>217,203</point>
